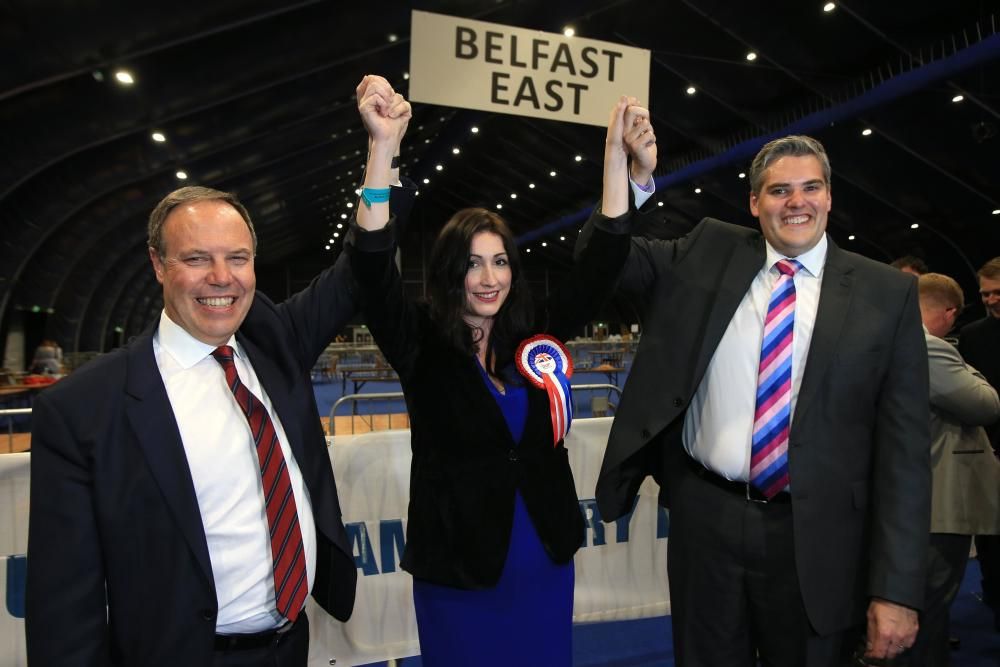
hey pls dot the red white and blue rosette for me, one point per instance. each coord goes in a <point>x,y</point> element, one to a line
<point>546,363</point>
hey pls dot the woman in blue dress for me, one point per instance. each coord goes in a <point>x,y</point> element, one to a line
<point>493,518</point>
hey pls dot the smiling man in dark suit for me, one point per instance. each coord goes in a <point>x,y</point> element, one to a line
<point>793,455</point>
<point>183,505</point>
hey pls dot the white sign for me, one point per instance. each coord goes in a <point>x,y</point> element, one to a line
<point>492,67</point>
<point>621,568</point>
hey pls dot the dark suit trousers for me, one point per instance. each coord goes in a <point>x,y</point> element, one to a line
<point>292,651</point>
<point>734,588</point>
<point>947,558</point>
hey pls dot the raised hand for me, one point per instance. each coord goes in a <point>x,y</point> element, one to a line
<point>383,111</point>
<point>640,142</point>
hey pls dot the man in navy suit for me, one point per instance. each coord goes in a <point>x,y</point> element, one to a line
<point>786,573</point>
<point>148,535</point>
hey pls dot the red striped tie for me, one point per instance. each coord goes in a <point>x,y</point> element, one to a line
<point>772,416</point>
<point>290,580</point>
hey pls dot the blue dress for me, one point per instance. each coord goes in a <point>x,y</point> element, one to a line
<point>527,619</point>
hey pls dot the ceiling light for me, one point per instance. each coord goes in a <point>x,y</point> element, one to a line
<point>742,174</point>
<point>996,211</point>
<point>659,203</point>
<point>568,31</point>
<point>499,206</point>
<point>914,226</point>
<point>751,56</point>
<point>851,237</point>
<point>336,235</point>
<point>958,98</point>
<point>439,167</point>
<point>527,250</point>
<point>343,216</point>
<point>350,204</point>
<point>124,77</point>
<point>552,174</point>
<point>866,132</point>
<point>545,244</point>
<point>426,181</point>
<point>562,238</point>
<point>474,130</point>
<point>330,241</point>
<point>697,191</point>
<point>357,191</point>
<point>327,247</point>
<point>690,90</point>
<point>406,76</point>
<point>513,195</point>
<point>455,151</point>
<point>829,7</point>
<point>159,137</point>
<point>181,175</point>
<point>340,225</point>
<point>578,158</point>
<point>531,185</point>
<point>393,37</point>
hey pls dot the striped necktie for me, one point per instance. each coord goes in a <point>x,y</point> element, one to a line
<point>772,415</point>
<point>291,583</point>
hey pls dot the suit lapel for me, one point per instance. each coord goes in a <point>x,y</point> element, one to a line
<point>745,262</point>
<point>152,419</point>
<point>834,300</point>
<point>279,390</point>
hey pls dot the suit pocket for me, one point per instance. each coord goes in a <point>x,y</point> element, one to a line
<point>859,493</point>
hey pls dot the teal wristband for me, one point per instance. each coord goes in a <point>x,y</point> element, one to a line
<point>374,196</point>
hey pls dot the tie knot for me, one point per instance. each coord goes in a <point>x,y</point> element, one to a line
<point>224,355</point>
<point>788,266</point>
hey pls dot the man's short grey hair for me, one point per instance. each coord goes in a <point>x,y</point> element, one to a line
<point>189,195</point>
<point>795,145</point>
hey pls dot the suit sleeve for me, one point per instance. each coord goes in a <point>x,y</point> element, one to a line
<point>391,317</point>
<point>66,604</point>
<point>959,389</point>
<point>901,471</point>
<point>592,279</point>
<point>317,313</point>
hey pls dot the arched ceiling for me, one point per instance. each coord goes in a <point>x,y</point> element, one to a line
<point>255,96</point>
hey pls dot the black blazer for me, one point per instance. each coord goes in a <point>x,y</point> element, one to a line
<point>859,442</point>
<point>465,466</point>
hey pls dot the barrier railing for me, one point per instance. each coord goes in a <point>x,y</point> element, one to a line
<point>354,399</point>
<point>12,412</point>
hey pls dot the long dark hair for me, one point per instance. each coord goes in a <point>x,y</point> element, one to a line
<point>448,300</point>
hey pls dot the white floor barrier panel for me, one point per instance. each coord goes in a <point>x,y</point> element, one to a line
<point>620,569</point>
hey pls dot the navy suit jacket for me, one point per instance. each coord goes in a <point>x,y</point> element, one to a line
<point>859,443</point>
<point>119,571</point>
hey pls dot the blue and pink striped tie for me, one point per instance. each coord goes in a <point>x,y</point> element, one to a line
<point>772,416</point>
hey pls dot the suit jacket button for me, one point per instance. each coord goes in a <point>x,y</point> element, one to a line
<point>678,402</point>
<point>512,455</point>
<point>208,614</point>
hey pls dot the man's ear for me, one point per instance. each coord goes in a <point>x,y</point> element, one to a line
<point>158,268</point>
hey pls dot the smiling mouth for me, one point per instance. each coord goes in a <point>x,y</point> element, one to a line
<point>796,220</point>
<point>216,301</point>
<point>486,296</point>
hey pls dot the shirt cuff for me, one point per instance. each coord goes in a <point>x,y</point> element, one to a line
<point>640,193</point>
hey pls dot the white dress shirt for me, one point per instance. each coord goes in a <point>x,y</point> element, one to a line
<point>226,474</point>
<point>718,426</point>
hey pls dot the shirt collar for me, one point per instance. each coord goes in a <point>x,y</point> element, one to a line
<point>185,348</point>
<point>812,260</point>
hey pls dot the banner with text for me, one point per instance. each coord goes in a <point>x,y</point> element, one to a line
<point>620,569</point>
<point>492,67</point>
